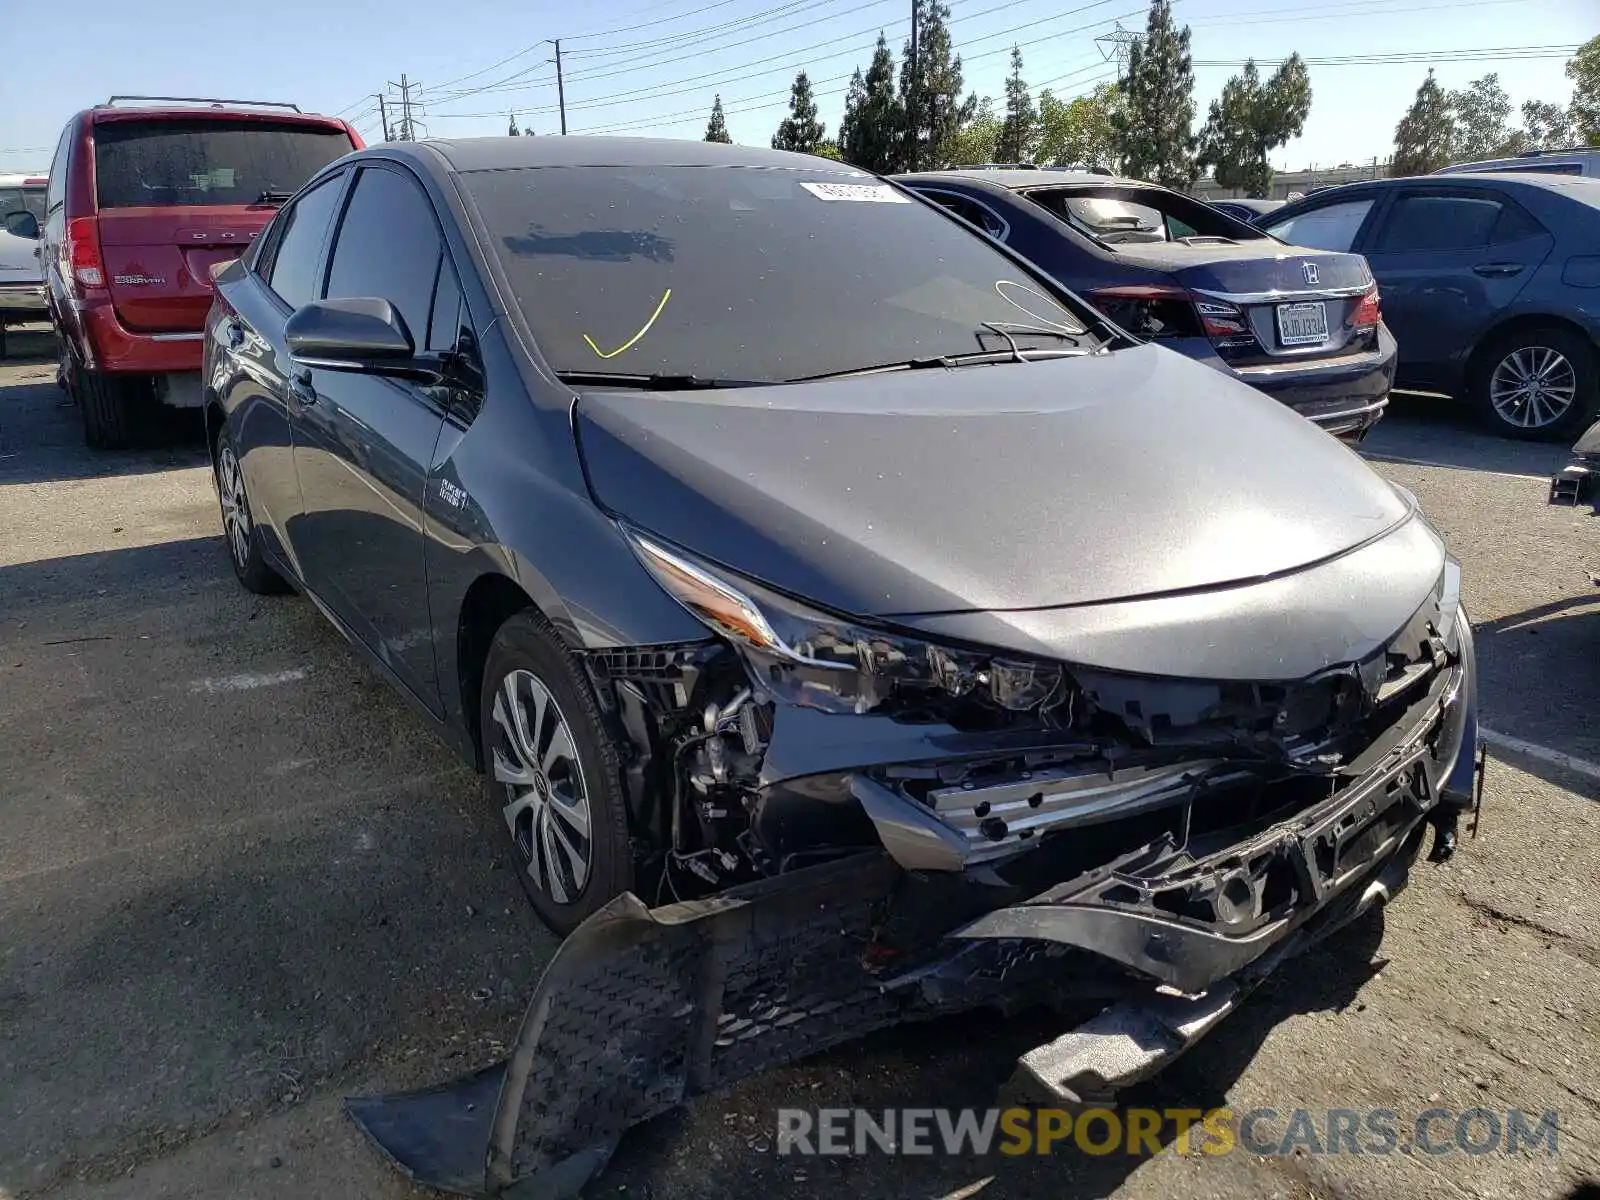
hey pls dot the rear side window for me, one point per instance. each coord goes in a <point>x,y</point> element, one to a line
<point>1331,227</point>
<point>17,199</point>
<point>291,266</point>
<point>56,194</point>
<point>970,211</point>
<point>1439,223</point>
<point>388,246</point>
<point>162,163</point>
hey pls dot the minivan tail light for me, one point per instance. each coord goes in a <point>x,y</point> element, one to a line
<point>83,252</point>
<point>1367,314</point>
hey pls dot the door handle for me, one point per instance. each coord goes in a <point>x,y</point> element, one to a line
<point>1495,270</point>
<point>301,390</point>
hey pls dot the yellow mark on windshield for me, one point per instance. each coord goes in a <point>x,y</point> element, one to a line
<point>665,296</point>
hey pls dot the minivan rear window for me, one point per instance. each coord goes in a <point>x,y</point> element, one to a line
<point>177,162</point>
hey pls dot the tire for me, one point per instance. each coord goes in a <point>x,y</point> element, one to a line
<point>1559,366</point>
<point>238,527</point>
<point>566,873</point>
<point>106,403</point>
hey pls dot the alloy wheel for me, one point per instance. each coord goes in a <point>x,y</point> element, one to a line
<point>546,797</point>
<point>235,512</point>
<point>1533,387</point>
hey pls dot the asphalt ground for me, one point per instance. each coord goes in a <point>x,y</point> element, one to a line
<point>239,881</point>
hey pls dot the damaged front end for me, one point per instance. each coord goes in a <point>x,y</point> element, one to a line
<point>847,826</point>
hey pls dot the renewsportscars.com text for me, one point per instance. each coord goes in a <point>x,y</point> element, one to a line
<point>1138,1131</point>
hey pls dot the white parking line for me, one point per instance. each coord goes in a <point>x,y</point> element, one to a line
<point>244,683</point>
<point>1379,456</point>
<point>1557,758</point>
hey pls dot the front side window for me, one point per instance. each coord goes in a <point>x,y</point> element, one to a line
<point>298,235</point>
<point>388,246</point>
<point>754,274</point>
<point>1331,227</point>
<point>167,162</point>
<point>1439,223</point>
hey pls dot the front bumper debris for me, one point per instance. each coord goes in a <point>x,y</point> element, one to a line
<point>642,1009</point>
<point>1575,483</point>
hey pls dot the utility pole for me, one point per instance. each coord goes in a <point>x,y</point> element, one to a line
<point>383,114</point>
<point>914,93</point>
<point>561,89</point>
<point>406,133</point>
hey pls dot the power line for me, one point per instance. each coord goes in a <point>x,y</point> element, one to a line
<point>791,58</point>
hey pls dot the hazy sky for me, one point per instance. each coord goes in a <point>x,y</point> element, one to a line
<point>652,66</point>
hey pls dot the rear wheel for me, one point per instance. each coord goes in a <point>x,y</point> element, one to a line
<point>244,545</point>
<point>106,403</point>
<point>552,773</point>
<point>1537,384</point>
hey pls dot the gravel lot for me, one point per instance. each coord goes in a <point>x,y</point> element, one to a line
<point>238,881</point>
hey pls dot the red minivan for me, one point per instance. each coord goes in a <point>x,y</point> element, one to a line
<point>147,195</point>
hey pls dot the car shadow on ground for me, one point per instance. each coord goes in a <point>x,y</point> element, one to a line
<point>41,431</point>
<point>1443,432</point>
<point>1558,644</point>
<point>721,1147</point>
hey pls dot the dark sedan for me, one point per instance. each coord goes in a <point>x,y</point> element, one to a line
<point>1490,282</point>
<point>739,514</point>
<point>1302,325</point>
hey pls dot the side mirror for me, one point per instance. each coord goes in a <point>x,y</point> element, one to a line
<point>22,224</point>
<point>362,333</point>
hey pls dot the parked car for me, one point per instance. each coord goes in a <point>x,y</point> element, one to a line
<point>1302,326</point>
<point>1489,283</point>
<point>735,512</point>
<point>1579,161</point>
<point>1247,210</point>
<point>21,211</point>
<point>1575,483</point>
<point>146,196</point>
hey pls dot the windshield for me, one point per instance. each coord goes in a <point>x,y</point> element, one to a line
<point>139,163</point>
<point>754,274</point>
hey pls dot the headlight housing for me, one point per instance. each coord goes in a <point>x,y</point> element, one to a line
<point>806,656</point>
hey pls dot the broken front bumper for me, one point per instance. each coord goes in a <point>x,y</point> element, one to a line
<point>641,1009</point>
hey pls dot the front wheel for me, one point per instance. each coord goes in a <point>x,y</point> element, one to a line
<point>552,773</point>
<point>1537,384</point>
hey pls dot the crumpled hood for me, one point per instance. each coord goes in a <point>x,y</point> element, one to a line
<point>1026,485</point>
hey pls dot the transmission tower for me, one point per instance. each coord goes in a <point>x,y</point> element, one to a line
<point>1116,45</point>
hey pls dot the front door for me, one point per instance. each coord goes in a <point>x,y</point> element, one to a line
<point>363,445</point>
<point>1446,261</point>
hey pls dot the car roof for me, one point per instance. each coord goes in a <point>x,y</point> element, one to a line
<point>510,153</point>
<point>222,110</point>
<point>1532,159</point>
<point>1019,180</point>
<point>24,179</point>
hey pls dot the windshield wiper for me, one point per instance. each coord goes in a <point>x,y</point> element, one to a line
<point>654,383</point>
<point>947,361</point>
<point>272,195</point>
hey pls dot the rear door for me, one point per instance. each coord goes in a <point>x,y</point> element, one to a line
<point>254,361</point>
<point>177,195</point>
<point>1447,259</point>
<point>363,445</point>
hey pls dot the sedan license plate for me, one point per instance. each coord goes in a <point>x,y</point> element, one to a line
<point>1302,324</point>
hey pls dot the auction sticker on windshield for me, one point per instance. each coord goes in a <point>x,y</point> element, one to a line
<point>870,193</point>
